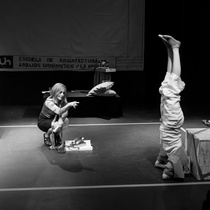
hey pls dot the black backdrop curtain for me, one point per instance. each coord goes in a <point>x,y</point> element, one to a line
<point>37,32</point>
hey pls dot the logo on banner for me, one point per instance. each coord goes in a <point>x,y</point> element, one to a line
<point>6,61</point>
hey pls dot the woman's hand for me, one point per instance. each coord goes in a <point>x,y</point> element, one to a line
<point>73,103</point>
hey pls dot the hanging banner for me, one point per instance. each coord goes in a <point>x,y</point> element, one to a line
<point>44,63</point>
<point>84,30</point>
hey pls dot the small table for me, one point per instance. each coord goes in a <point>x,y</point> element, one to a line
<point>103,74</point>
<point>198,148</point>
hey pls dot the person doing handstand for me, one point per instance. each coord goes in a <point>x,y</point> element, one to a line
<point>53,118</point>
<point>172,156</point>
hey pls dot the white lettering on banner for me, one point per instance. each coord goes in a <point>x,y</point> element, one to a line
<point>30,59</point>
<point>59,66</point>
<point>27,63</point>
<point>68,60</point>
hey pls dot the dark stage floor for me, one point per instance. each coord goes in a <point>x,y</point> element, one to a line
<point>118,173</point>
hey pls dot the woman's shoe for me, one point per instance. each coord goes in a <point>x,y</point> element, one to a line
<point>52,147</point>
<point>61,149</point>
<point>58,140</point>
<point>47,141</point>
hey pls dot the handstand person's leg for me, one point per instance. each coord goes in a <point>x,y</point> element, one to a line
<point>176,66</point>
<point>175,57</point>
<point>169,53</point>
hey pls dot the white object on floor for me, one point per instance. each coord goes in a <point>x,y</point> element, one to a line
<point>85,147</point>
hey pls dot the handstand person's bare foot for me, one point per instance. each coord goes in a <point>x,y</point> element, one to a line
<point>171,41</point>
<point>165,41</point>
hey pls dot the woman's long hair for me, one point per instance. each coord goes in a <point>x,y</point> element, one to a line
<point>56,89</point>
